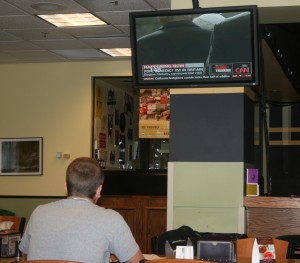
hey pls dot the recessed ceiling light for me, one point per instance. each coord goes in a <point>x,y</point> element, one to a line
<point>73,20</point>
<point>117,52</point>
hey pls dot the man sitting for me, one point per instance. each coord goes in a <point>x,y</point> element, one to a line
<point>77,229</point>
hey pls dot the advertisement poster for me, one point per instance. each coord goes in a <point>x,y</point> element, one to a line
<point>154,113</point>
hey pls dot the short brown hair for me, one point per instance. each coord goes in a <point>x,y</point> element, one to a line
<point>84,175</point>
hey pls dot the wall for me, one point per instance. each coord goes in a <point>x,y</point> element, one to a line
<point>53,101</point>
<point>23,206</point>
<point>207,196</point>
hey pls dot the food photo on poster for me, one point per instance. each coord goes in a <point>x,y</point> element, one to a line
<point>154,113</point>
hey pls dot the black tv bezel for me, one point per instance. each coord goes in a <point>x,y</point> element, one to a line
<point>254,82</point>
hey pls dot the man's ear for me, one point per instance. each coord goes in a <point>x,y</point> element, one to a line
<point>66,188</point>
<point>99,189</point>
<point>98,194</point>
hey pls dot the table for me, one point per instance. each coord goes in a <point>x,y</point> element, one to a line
<point>239,260</point>
<point>7,260</point>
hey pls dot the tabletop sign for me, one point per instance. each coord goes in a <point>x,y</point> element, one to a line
<point>252,187</point>
<point>263,250</point>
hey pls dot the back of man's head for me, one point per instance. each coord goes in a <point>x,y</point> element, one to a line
<point>84,175</point>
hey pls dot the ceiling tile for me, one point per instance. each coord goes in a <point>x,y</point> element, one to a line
<point>160,4</point>
<point>6,56</point>
<point>125,29</point>
<point>80,53</point>
<point>7,9</point>
<point>39,34</point>
<point>48,7</point>
<point>5,36</point>
<point>60,44</point>
<point>114,18</point>
<point>93,31</point>
<point>24,21</point>
<point>17,45</point>
<point>38,54</point>
<point>111,5</point>
<point>117,42</point>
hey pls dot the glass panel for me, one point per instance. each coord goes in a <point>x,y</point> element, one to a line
<point>115,139</point>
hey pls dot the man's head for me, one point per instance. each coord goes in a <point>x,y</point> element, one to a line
<point>84,178</point>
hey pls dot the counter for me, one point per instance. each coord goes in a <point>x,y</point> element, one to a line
<point>272,216</point>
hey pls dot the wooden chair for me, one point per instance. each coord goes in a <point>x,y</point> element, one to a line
<point>174,260</point>
<point>244,248</point>
<point>19,222</point>
<point>294,245</point>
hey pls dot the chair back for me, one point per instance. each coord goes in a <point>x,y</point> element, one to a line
<point>294,245</point>
<point>175,260</point>
<point>244,248</point>
<point>19,222</point>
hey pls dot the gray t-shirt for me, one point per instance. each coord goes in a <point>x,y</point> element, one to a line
<point>78,230</point>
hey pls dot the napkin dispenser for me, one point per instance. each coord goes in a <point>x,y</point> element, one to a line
<point>8,243</point>
<point>218,251</point>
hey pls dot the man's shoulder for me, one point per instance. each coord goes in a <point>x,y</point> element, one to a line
<point>67,206</point>
<point>46,206</point>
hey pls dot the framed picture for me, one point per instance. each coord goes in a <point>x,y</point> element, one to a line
<point>21,156</point>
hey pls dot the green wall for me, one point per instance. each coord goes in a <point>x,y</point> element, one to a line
<point>23,206</point>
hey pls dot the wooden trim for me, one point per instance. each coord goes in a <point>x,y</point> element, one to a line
<point>284,142</point>
<point>271,202</point>
<point>214,90</point>
<point>285,129</point>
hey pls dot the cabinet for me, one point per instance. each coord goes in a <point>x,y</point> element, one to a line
<point>145,215</point>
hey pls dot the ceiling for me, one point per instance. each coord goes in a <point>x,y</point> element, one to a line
<point>25,38</point>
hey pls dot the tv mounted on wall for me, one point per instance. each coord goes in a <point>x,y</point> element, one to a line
<point>200,47</point>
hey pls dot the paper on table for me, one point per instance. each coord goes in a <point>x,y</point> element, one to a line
<point>186,252</point>
<point>152,256</point>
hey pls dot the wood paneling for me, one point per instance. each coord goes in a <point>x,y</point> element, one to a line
<point>272,216</point>
<point>271,202</point>
<point>145,215</point>
<point>155,223</point>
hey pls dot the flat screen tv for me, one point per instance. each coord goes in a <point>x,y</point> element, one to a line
<point>200,47</point>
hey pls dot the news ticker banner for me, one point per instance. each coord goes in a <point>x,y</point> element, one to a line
<point>188,71</point>
<point>154,113</point>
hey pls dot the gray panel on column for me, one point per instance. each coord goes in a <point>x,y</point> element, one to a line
<point>211,128</point>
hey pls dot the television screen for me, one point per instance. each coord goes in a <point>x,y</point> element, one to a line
<point>195,47</point>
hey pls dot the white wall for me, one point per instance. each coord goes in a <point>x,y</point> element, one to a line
<point>53,101</point>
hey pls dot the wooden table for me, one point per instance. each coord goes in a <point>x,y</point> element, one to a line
<point>239,260</point>
<point>7,260</point>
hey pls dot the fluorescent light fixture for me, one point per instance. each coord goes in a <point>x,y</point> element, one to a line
<point>117,52</point>
<point>71,20</point>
